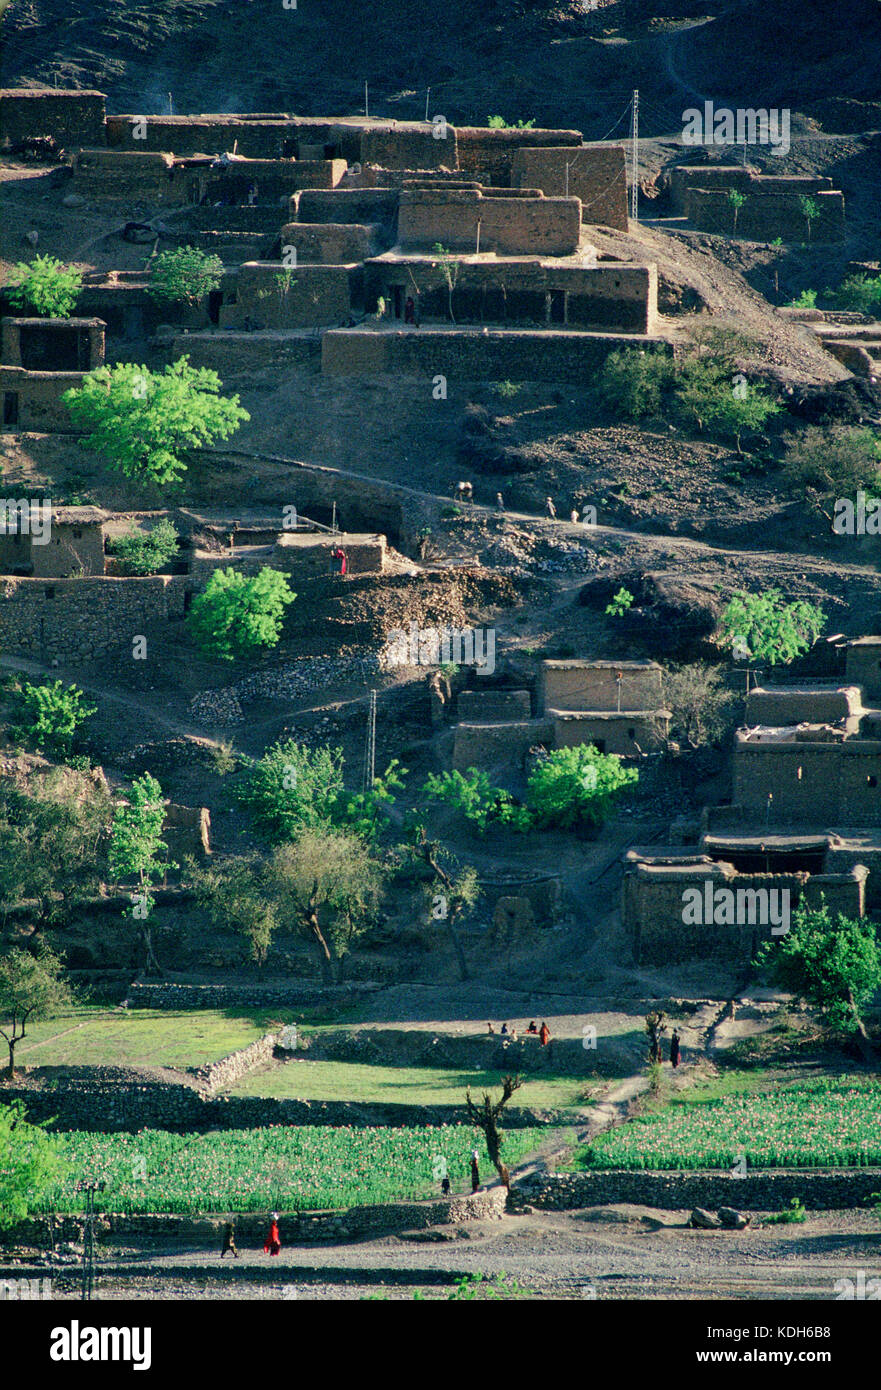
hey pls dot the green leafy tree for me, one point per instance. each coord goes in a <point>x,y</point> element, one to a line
<point>861,293</point>
<point>143,421</point>
<point>46,287</point>
<point>293,788</point>
<point>237,614</point>
<point>366,812</point>
<point>575,787</point>
<point>146,552</point>
<point>31,987</point>
<point>54,835</point>
<point>740,408</point>
<point>48,717</point>
<point>449,268</point>
<point>137,850</point>
<point>328,884</point>
<point>184,275</point>
<point>810,211</point>
<point>735,202</point>
<point>764,627</point>
<point>472,795</point>
<point>236,898</point>
<point>833,962</point>
<point>30,1164</point>
<point>806,299</point>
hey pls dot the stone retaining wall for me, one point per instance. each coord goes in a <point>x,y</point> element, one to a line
<point>216,1075</point>
<point>767,1190</point>
<point>295,1227</point>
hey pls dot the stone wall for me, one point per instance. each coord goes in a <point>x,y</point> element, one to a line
<point>765,216</point>
<point>472,355</point>
<point>133,175</point>
<point>296,1227</point>
<point>70,118</point>
<point>376,206</point>
<point>475,706</point>
<point>237,351</point>
<point>625,734</point>
<point>188,135</point>
<point>779,705</point>
<point>596,174</point>
<point>512,226</point>
<point>225,1073</point>
<point>410,146</point>
<point>171,995</point>
<point>767,1190</point>
<point>863,666</point>
<point>81,619</point>
<point>187,830</point>
<point>497,746</point>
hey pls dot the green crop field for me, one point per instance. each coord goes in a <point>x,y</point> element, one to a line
<point>816,1124</point>
<point>369,1083</point>
<point>140,1037</point>
<point>291,1169</point>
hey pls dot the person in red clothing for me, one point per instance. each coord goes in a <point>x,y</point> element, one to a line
<point>544,1035</point>
<point>273,1240</point>
<point>341,558</point>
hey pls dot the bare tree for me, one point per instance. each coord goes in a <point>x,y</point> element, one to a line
<point>485,1117</point>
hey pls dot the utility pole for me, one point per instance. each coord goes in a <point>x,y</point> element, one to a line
<point>333,519</point>
<point>634,158</point>
<point>370,746</point>
<point>366,107</point>
<point>170,105</point>
<point>427,95</point>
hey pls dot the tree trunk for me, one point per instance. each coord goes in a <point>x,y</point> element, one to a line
<point>324,951</point>
<point>459,950</point>
<point>10,1070</point>
<point>151,960</point>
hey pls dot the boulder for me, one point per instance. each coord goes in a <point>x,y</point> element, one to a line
<point>703,1220</point>
<point>733,1220</point>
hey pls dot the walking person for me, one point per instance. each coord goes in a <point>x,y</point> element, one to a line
<point>551,509</point>
<point>341,560</point>
<point>475,1171</point>
<point>544,1034</point>
<point>675,1055</point>
<point>272,1244</point>
<point>229,1240</point>
<point>500,502</point>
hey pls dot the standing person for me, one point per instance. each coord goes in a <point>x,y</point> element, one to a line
<point>551,509</point>
<point>229,1240</point>
<point>272,1244</point>
<point>573,516</point>
<point>445,1186</point>
<point>410,310</point>
<point>532,1028</point>
<point>500,502</point>
<point>504,1028</point>
<point>674,1050</point>
<point>544,1034</point>
<point>342,562</point>
<point>475,1171</point>
<point>490,1028</point>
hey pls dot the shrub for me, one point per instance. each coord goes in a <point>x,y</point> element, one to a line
<point>293,788</point>
<point>48,717</point>
<point>471,794</point>
<point>794,1214</point>
<point>636,384</point>
<point>184,275</point>
<point>46,286</point>
<point>859,292</point>
<point>837,461</point>
<point>575,787</point>
<point>236,614</point>
<point>146,552</point>
<point>619,604</point>
<point>807,299</point>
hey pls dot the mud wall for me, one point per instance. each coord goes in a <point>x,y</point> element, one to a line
<point>596,174</point>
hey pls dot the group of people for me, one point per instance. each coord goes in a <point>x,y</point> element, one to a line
<point>464,492</point>
<point>271,1246</point>
<point>531,1030</point>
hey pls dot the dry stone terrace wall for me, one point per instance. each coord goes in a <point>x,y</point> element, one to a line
<point>296,1227</point>
<point>81,619</point>
<point>765,216</point>
<point>472,355</point>
<point>767,1190</point>
<point>721,177</point>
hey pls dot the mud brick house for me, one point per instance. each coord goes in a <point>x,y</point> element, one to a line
<point>616,707</point>
<point>805,816</point>
<point>41,359</point>
<point>69,118</point>
<point>73,543</point>
<point>595,174</point>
